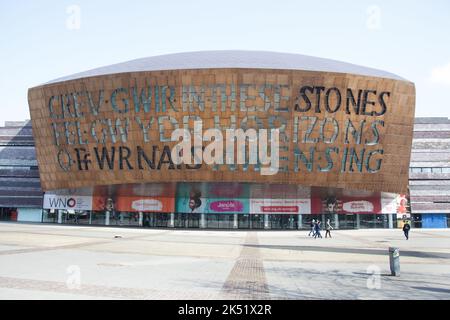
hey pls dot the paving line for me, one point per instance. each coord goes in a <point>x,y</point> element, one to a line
<point>247,279</point>
<point>429,234</point>
<point>42,249</point>
<point>74,246</point>
<point>102,291</point>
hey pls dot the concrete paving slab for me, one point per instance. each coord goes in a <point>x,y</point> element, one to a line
<point>63,262</point>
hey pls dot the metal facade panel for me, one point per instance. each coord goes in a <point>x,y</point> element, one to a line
<point>190,95</point>
<point>232,59</point>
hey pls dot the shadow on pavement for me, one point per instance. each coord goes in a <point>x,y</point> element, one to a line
<point>433,289</point>
<point>405,253</point>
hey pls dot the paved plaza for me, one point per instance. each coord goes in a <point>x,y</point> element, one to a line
<point>70,262</point>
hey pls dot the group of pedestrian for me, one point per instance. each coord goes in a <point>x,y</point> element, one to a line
<point>316,227</point>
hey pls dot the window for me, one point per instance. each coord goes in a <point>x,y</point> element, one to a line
<point>416,221</point>
<point>374,221</point>
<point>226,221</point>
<point>257,221</point>
<point>244,221</point>
<point>347,221</point>
<point>219,221</point>
<point>428,170</point>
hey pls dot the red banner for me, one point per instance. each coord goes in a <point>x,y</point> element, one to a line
<point>135,198</point>
<point>345,201</point>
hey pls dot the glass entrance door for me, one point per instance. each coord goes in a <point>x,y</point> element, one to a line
<point>347,221</point>
<point>7,214</point>
<point>243,221</point>
<point>158,220</point>
<point>257,221</point>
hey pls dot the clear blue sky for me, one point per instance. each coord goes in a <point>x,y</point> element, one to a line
<point>39,43</point>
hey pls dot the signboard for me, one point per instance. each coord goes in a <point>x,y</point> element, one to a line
<point>216,198</point>
<point>395,203</point>
<point>314,128</point>
<point>67,202</point>
<point>280,206</point>
<point>145,204</point>
<point>136,198</point>
<point>224,198</point>
<point>345,202</point>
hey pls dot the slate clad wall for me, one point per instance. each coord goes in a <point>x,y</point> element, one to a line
<point>19,175</point>
<point>430,166</point>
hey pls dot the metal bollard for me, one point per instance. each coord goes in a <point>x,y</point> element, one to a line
<point>394,261</point>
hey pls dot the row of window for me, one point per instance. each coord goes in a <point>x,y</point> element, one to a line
<point>15,167</point>
<point>429,170</point>
<point>223,221</point>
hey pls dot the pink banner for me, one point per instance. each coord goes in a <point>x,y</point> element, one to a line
<point>227,206</point>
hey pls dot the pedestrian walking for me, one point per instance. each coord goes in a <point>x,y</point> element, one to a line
<point>317,230</point>
<point>313,228</point>
<point>328,228</point>
<point>75,218</point>
<point>406,228</point>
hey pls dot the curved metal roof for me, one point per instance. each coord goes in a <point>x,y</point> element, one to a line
<point>232,59</point>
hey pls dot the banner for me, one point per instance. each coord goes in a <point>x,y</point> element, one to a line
<point>280,206</point>
<point>145,204</point>
<point>67,202</point>
<point>212,205</point>
<point>279,191</point>
<point>226,198</point>
<point>345,201</point>
<point>135,198</point>
<point>214,198</point>
<point>394,203</point>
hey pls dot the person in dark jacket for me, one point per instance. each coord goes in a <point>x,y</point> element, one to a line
<point>406,228</point>
<point>317,230</point>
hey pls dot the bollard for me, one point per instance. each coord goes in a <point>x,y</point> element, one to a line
<point>394,261</point>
